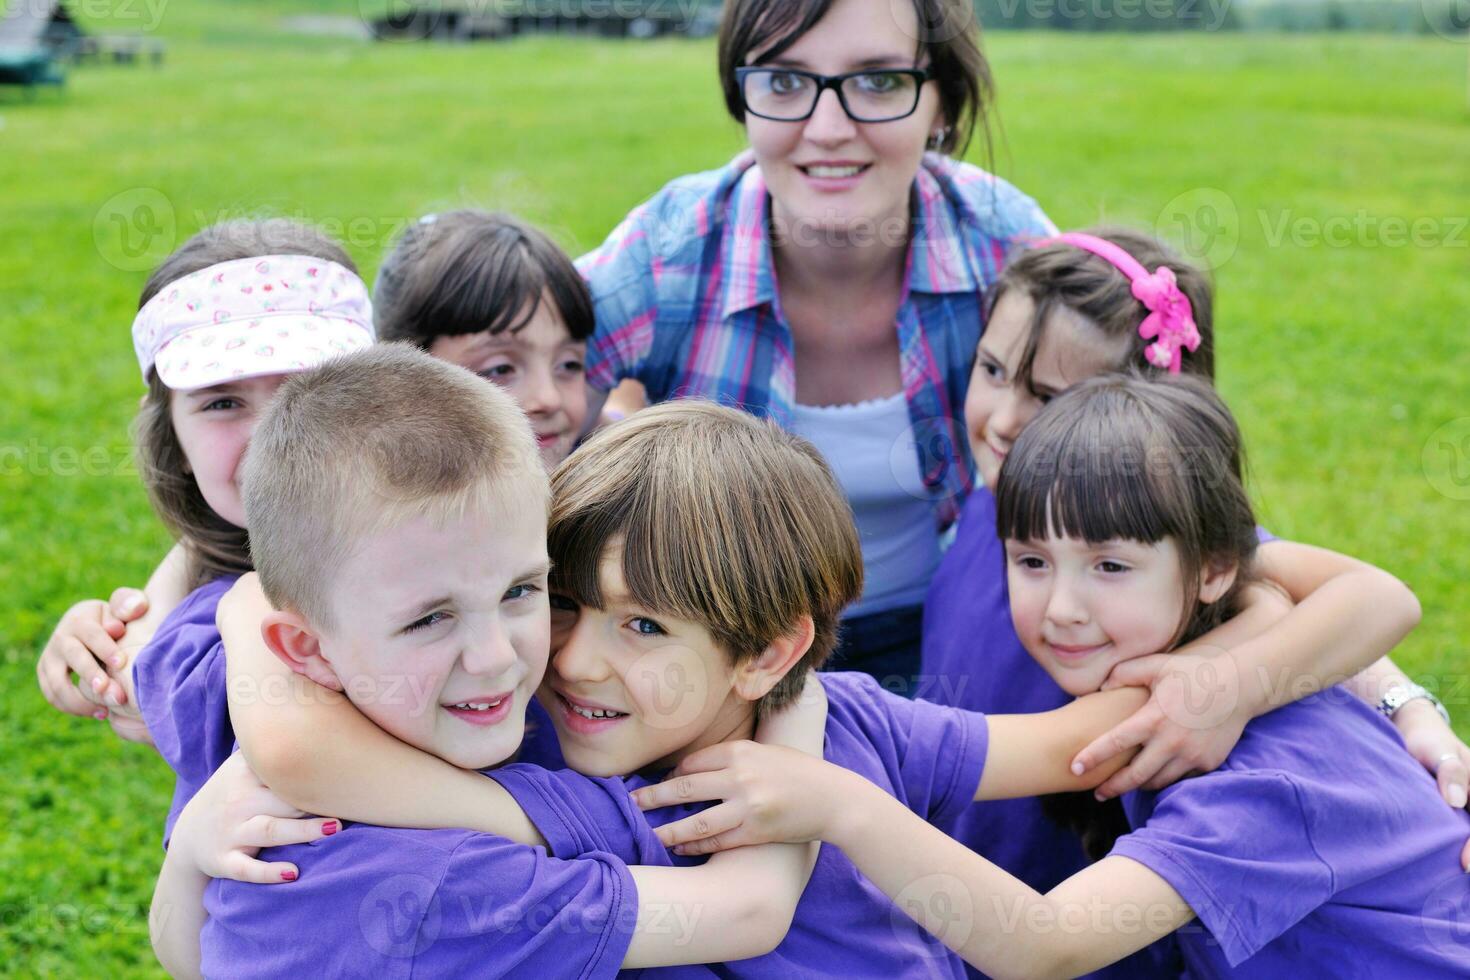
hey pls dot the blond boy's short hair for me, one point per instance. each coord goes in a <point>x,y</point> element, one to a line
<point>363,443</point>
<point>723,519</point>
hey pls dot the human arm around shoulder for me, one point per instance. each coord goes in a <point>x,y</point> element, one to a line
<point>218,835</point>
<point>995,922</point>
<point>1345,614</point>
<point>315,750</point>
<point>746,897</point>
<point>1032,754</point>
<point>765,796</point>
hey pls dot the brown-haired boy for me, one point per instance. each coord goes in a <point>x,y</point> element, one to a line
<point>704,556</point>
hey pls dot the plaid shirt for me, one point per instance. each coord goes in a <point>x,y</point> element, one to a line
<point>686,302</point>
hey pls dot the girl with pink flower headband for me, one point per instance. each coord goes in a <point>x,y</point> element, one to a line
<point>1072,307</point>
<point>221,322</point>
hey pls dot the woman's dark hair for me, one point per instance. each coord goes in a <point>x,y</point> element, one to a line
<point>213,545</point>
<point>465,271</point>
<point>948,33</point>
<point>1141,458</point>
<point>1064,278</point>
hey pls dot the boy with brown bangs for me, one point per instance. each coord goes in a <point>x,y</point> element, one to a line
<point>397,510</point>
<point>702,557</point>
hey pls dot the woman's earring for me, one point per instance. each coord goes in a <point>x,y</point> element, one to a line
<point>938,138</point>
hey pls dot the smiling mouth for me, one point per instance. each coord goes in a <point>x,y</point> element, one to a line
<point>822,172</point>
<point>1075,652</point>
<point>484,712</point>
<point>590,713</point>
<point>586,719</point>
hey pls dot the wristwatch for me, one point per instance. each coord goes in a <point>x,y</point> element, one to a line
<point>1401,694</point>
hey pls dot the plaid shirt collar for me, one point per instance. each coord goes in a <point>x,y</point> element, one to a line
<point>937,259</point>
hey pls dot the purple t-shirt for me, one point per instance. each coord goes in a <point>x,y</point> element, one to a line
<point>973,659</point>
<point>179,682</point>
<point>1320,846</point>
<point>927,756</point>
<point>382,902</point>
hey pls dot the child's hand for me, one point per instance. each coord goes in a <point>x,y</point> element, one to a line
<point>85,645</point>
<point>1191,722</point>
<point>232,817</point>
<point>1198,706</point>
<point>771,794</point>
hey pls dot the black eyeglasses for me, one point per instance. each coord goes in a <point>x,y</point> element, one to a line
<point>790,95</point>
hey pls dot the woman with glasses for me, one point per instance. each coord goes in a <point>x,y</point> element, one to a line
<point>831,276</point>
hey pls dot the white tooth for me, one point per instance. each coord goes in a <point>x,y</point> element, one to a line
<point>834,171</point>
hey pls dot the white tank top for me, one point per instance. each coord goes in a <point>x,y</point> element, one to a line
<point>870,447</point>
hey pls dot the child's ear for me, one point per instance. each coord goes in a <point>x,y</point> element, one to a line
<point>289,638</point>
<point>1215,580</point>
<point>755,678</point>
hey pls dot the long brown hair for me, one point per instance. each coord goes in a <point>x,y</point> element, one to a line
<point>213,545</point>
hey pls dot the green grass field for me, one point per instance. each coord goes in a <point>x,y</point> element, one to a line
<point>1325,176</point>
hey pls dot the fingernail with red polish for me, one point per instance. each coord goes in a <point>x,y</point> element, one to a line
<point>288,876</point>
<point>329,828</point>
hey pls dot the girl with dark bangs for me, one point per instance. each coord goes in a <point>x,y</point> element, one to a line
<point>498,297</point>
<point>1318,846</point>
<point>1064,310</point>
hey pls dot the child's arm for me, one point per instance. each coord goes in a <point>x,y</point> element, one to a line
<point>1348,614</point>
<point>145,612</point>
<point>218,835</point>
<point>1052,740</point>
<point>319,753</point>
<point>177,916</point>
<point>741,902</point>
<point>1027,755</point>
<point>997,923</point>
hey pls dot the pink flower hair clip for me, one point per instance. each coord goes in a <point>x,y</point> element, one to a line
<point>1170,321</point>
